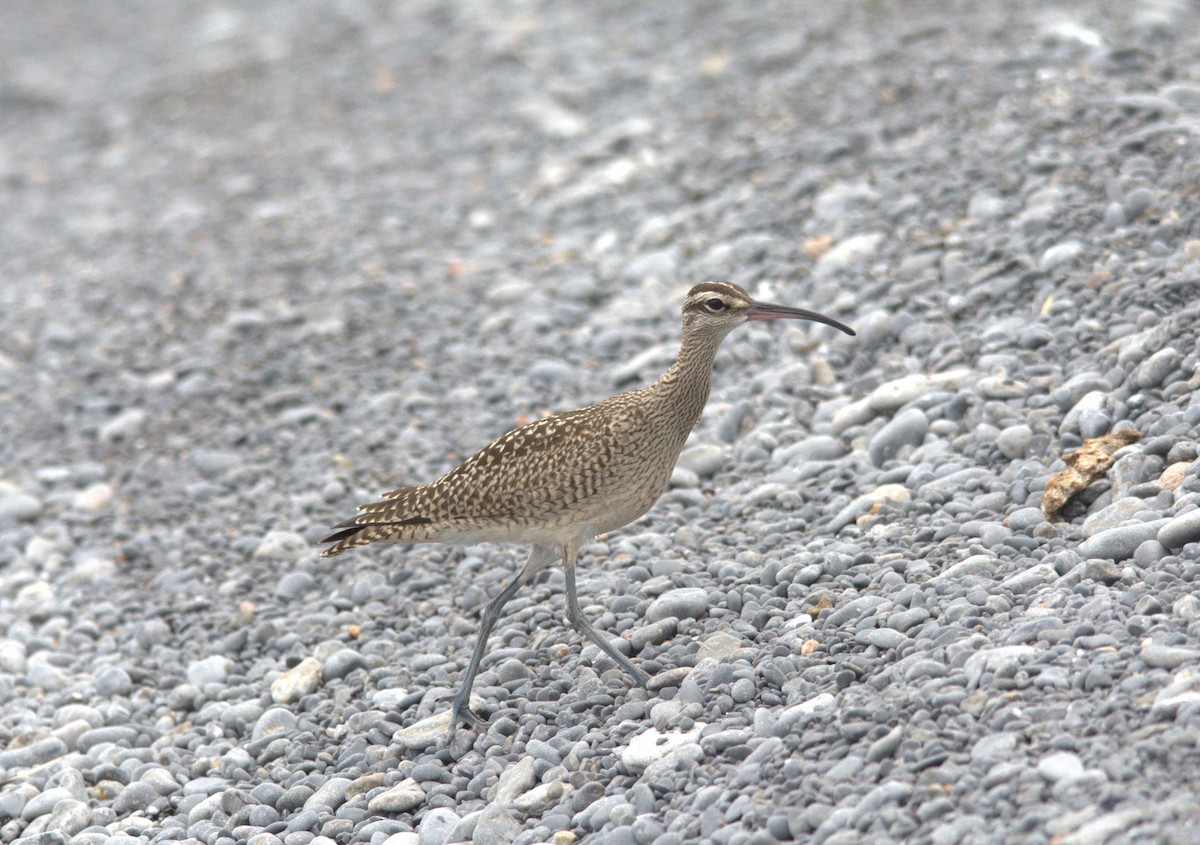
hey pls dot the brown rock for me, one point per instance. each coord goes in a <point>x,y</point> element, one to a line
<point>1087,463</point>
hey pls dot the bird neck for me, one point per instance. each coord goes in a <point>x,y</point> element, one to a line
<point>686,383</point>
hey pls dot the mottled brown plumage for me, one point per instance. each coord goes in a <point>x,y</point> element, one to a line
<point>556,483</point>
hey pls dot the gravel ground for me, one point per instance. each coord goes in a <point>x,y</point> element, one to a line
<point>261,263</point>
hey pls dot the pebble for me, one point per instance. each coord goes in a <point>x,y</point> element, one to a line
<point>302,679</point>
<point>1113,515</point>
<point>1168,657</point>
<point>885,638</point>
<point>681,603</point>
<point>294,585</point>
<point>515,781</point>
<point>44,802</point>
<point>1180,530</point>
<point>282,545</point>
<point>704,459</point>
<point>341,663</point>
<point>420,735</point>
<point>211,670</point>
<point>495,826</point>
<point>401,798</point>
<point>907,428</point>
<point>1120,543</point>
<point>1157,368</point>
<point>95,497</point>
<point>1060,766</point>
<point>653,745</point>
<point>436,826</point>
<point>720,645</point>
<point>34,754</point>
<point>1013,441</point>
<point>848,253</point>
<point>1183,691</point>
<point>1025,519</point>
<point>1001,387</point>
<point>19,507</point>
<point>274,720</point>
<point>124,426</point>
<point>891,396</point>
<point>1060,256</point>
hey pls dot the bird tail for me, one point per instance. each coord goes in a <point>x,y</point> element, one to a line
<point>378,522</point>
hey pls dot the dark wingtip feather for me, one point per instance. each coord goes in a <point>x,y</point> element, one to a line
<point>337,536</point>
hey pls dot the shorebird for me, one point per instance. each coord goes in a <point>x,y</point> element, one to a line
<point>556,483</point>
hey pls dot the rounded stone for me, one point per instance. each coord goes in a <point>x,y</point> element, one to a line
<point>681,603</point>
<point>1180,530</point>
<point>907,428</point>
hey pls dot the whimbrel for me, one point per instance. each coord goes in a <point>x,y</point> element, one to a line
<point>557,483</point>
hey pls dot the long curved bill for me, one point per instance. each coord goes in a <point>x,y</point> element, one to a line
<point>767,311</point>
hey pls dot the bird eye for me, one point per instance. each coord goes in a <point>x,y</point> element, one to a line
<point>715,305</point>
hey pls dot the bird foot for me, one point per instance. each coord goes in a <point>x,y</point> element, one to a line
<point>462,714</point>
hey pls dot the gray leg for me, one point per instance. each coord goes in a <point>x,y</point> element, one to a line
<point>575,617</point>
<point>460,710</point>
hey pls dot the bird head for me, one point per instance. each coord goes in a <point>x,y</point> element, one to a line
<point>719,306</point>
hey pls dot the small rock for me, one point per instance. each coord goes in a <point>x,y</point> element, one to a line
<point>1157,368</point>
<point>70,817</point>
<point>704,459</point>
<point>653,745</point>
<point>907,428</point>
<point>281,545</point>
<point>330,795</point>
<point>1103,571</point>
<point>862,505</point>
<point>1119,511</point>
<point>682,603</point>
<point>274,720</point>
<point>1180,530</point>
<point>1172,477</point>
<point>302,679</point>
<point>436,826</point>
<point>1120,543</point>
<point>1060,766</point>
<point>884,638</point>
<point>1184,690</point>
<point>719,645</point>
<point>892,395</point>
<point>425,733</point>
<point>652,634</point>
<point>1167,656</point>
<point>124,426</point>
<point>210,670</point>
<point>514,781</point>
<point>1013,441</point>
<point>401,798</point>
<point>495,826</point>
<point>542,797</point>
<point>1059,255</point>
<point>135,797</point>
<point>1024,519</point>
<point>95,497</point>
<point>113,680</point>
<point>19,507</point>
<point>43,803</point>
<point>851,252</point>
<point>1001,387</point>
<point>34,754</point>
<point>341,663</point>
<point>294,584</point>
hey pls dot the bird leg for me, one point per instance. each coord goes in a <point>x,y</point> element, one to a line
<point>575,617</point>
<point>460,710</point>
